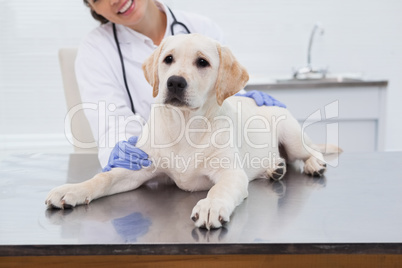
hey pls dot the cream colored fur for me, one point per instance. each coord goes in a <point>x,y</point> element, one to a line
<point>215,136</point>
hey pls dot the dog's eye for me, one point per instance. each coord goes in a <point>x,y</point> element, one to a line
<point>202,63</point>
<point>168,59</point>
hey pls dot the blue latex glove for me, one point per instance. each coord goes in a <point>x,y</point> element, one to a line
<point>126,155</point>
<point>262,98</point>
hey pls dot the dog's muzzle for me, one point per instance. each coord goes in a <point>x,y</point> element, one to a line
<point>176,86</point>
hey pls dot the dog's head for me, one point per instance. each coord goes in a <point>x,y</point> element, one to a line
<point>188,70</point>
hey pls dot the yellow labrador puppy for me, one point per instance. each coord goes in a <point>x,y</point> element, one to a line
<point>202,136</point>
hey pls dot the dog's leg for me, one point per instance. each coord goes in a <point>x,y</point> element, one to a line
<point>290,136</point>
<point>228,192</point>
<point>107,183</point>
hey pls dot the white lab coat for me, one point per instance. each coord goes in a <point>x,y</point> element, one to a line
<point>100,78</point>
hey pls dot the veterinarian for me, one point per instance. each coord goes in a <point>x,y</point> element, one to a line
<point>109,74</point>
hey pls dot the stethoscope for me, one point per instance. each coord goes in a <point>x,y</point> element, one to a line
<point>174,23</point>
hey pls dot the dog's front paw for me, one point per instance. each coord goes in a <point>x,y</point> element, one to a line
<point>67,196</point>
<point>314,167</point>
<point>211,213</point>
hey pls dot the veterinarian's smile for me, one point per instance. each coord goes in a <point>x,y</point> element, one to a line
<point>126,8</point>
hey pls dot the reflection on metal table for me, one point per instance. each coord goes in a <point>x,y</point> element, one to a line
<point>355,209</point>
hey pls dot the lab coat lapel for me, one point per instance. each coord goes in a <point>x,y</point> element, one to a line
<point>135,47</point>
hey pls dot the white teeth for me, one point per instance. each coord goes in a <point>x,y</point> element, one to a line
<point>126,6</point>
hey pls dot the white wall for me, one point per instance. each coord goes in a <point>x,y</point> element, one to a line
<point>269,38</point>
<point>32,106</point>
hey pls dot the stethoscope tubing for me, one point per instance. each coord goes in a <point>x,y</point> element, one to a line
<point>175,22</point>
<point>123,68</point>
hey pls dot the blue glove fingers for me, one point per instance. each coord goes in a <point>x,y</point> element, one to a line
<point>126,151</point>
<point>133,165</point>
<point>134,150</point>
<point>271,101</point>
<point>253,94</point>
<point>133,140</point>
<point>125,164</point>
<point>106,168</point>
<point>262,98</point>
<point>133,155</point>
<point>268,100</point>
<point>258,98</point>
<point>129,149</point>
<point>279,104</point>
<point>126,155</point>
<point>145,162</point>
<point>133,158</point>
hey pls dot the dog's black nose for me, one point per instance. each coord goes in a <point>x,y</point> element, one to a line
<point>176,84</point>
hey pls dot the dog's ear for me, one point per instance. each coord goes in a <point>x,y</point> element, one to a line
<point>232,77</point>
<point>150,68</point>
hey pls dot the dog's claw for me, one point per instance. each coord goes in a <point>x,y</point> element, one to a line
<point>63,202</point>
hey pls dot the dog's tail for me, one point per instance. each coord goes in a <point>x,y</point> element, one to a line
<point>326,149</point>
